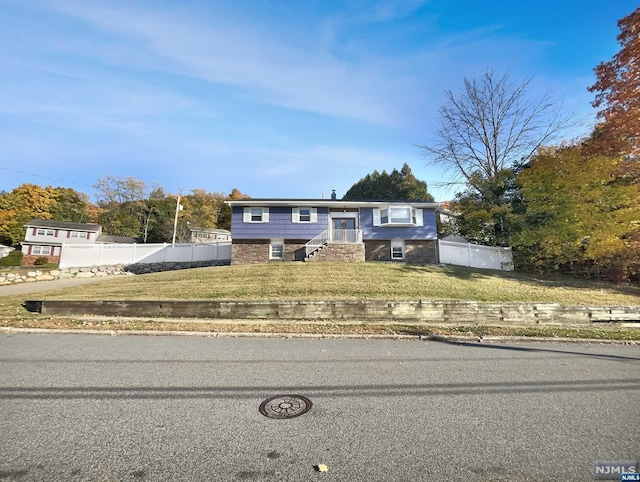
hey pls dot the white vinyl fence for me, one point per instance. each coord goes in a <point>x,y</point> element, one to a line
<point>83,255</point>
<point>475,255</point>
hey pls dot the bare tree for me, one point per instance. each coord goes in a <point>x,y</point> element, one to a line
<point>114,189</point>
<point>490,125</point>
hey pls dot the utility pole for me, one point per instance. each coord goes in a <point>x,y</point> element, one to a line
<point>175,220</point>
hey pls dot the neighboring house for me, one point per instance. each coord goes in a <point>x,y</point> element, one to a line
<point>265,230</point>
<point>44,238</point>
<point>209,235</point>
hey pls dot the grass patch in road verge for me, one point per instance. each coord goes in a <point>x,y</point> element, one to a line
<point>606,332</point>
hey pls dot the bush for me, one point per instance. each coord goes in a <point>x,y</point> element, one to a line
<point>14,258</point>
<point>41,261</point>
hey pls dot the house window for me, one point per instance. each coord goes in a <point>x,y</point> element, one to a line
<point>397,249</point>
<point>46,250</point>
<point>398,216</point>
<point>77,234</point>
<point>45,232</point>
<point>256,215</point>
<point>304,215</point>
<point>276,249</point>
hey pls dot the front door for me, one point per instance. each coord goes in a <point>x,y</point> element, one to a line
<point>344,230</point>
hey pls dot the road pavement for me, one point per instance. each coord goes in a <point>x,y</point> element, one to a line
<point>153,408</point>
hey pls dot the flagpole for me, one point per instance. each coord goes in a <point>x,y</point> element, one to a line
<point>175,221</point>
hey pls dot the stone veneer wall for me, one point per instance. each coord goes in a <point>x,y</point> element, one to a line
<point>347,253</point>
<point>253,251</point>
<point>256,251</point>
<point>421,251</point>
<point>416,251</point>
<point>15,277</point>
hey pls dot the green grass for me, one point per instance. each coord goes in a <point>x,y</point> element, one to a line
<point>334,281</point>
<point>352,281</point>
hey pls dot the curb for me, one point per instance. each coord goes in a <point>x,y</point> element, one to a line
<point>205,334</point>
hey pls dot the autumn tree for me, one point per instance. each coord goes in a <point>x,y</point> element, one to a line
<point>398,185</point>
<point>485,214</point>
<point>119,190</point>
<point>224,219</point>
<point>30,201</point>
<point>617,91</point>
<point>578,219</point>
<point>123,203</point>
<point>71,205</point>
<point>204,208</point>
<point>491,124</point>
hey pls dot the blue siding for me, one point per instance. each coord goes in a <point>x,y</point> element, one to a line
<point>369,231</point>
<point>279,225</point>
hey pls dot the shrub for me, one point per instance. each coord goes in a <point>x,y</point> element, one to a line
<point>41,261</point>
<point>14,258</point>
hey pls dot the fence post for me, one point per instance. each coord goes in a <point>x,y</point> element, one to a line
<point>469,254</point>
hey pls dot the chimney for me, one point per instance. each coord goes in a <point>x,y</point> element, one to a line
<point>333,195</point>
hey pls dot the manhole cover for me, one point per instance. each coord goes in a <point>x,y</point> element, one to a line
<point>285,406</point>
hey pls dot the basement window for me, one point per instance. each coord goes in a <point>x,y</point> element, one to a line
<point>276,249</point>
<point>397,249</point>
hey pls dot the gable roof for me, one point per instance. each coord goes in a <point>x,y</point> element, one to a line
<point>49,223</point>
<point>209,230</point>
<point>108,239</point>
<point>331,203</point>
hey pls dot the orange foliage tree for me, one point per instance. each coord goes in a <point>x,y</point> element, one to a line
<point>618,94</point>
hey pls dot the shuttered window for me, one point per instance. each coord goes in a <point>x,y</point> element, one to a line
<point>304,215</point>
<point>256,215</point>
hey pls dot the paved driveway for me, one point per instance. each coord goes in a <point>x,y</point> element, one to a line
<point>39,286</point>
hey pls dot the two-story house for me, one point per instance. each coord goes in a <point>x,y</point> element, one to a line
<point>264,230</point>
<point>44,238</point>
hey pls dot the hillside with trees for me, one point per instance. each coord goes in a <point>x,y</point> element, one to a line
<point>125,206</point>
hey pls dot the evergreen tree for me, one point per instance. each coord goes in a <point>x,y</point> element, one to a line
<point>399,185</point>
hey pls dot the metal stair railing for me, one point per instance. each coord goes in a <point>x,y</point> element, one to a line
<point>316,243</point>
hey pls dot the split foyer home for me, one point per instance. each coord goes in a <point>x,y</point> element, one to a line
<point>264,230</point>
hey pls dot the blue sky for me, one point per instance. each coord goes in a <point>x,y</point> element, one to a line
<point>278,98</point>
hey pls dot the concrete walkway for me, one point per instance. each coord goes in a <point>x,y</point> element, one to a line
<point>40,286</point>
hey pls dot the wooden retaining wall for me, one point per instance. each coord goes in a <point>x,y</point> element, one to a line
<point>446,311</point>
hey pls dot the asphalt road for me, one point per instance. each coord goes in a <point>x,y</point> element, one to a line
<point>134,408</point>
